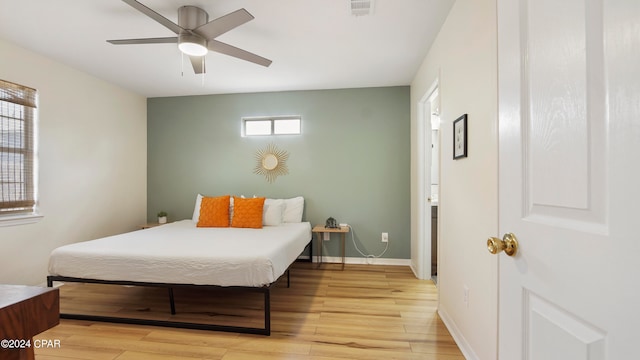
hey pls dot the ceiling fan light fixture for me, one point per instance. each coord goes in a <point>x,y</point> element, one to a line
<point>192,45</point>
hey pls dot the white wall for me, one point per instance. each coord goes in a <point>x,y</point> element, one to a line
<point>463,59</point>
<point>92,158</point>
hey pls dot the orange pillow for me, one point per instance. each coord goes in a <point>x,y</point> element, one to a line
<point>247,213</point>
<point>214,212</point>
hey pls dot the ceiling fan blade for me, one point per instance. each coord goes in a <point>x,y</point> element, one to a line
<point>217,46</point>
<point>198,64</point>
<point>221,25</point>
<point>155,16</point>
<point>165,40</point>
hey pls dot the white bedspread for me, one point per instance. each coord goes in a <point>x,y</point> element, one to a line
<point>181,253</point>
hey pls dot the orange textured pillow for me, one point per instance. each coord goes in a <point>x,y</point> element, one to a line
<point>214,212</point>
<point>247,213</point>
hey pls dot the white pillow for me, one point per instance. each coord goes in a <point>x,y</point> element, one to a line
<point>230,208</point>
<point>272,213</point>
<point>293,209</point>
<point>196,210</point>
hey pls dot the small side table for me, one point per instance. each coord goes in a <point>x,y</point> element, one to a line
<point>149,225</point>
<point>319,230</point>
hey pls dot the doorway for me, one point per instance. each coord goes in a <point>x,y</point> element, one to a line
<point>425,257</point>
<point>434,185</point>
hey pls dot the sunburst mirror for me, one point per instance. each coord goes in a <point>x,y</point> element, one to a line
<point>271,162</point>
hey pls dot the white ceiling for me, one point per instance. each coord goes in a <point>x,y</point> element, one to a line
<point>314,44</point>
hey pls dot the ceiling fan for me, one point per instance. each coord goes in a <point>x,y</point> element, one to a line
<point>196,34</point>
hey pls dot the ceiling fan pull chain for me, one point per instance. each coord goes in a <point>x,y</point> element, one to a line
<point>204,62</point>
<point>181,64</point>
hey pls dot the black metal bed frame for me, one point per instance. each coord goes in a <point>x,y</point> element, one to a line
<point>265,290</point>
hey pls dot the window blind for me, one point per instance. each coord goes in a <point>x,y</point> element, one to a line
<point>17,121</point>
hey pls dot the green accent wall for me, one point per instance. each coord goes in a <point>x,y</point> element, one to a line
<point>351,162</point>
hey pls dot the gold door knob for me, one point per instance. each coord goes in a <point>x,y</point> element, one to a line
<point>509,244</point>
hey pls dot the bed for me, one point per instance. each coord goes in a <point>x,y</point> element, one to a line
<point>182,254</point>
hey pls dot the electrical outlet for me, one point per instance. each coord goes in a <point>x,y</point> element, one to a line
<point>466,295</point>
<point>385,237</point>
<point>326,236</point>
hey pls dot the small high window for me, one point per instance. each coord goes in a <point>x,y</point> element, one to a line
<point>280,125</point>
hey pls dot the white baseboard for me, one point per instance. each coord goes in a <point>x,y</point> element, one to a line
<point>364,261</point>
<point>457,336</point>
<point>414,270</point>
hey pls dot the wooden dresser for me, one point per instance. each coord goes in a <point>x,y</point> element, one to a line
<point>25,311</point>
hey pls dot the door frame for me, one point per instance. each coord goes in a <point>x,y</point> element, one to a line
<point>422,259</point>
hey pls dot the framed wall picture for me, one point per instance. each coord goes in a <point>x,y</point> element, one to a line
<point>460,137</point>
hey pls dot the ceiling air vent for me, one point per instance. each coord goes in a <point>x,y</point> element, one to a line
<point>361,7</point>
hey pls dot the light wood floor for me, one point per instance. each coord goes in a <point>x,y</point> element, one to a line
<point>363,312</point>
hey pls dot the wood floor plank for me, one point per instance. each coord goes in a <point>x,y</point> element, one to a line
<point>185,351</point>
<point>250,355</point>
<point>77,352</point>
<point>274,344</point>
<point>193,338</point>
<point>348,352</point>
<point>361,312</point>
<point>383,334</point>
<point>435,347</point>
<point>134,355</point>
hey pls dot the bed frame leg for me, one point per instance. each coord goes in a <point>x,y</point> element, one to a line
<point>49,281</point>
<point>172,303</point>
<point>267,312</point>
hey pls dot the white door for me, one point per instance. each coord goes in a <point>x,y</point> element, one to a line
<point>569,125</point>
